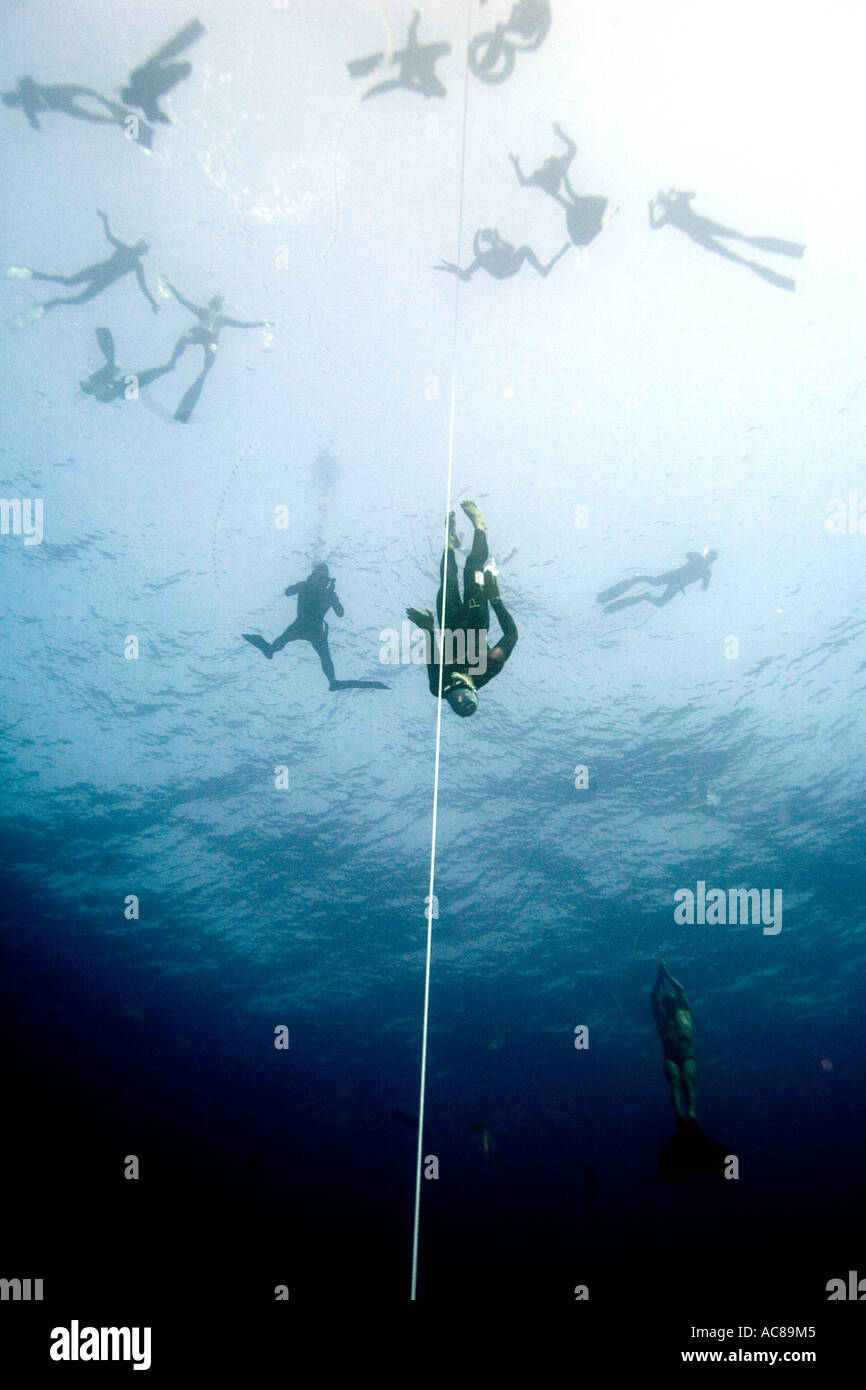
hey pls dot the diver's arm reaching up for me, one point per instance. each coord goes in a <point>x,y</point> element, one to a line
<point>112,239</point>
<point>187,304</point>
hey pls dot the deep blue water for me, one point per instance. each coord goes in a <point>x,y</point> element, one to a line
<point>679,397</point>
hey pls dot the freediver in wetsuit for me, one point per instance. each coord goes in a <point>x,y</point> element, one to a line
<point>675,207</point>
<point>585,217</point>
<point>698,568</point>
<point>691,1154</point>
<point>499,258</point>
<point>416,65</point>
<point>35,101</point>
<point>156,77</point>
<point>109,383</point>
<point>465,622</point>
<point>673,1018</point>
<point>126,259</point>
<point>316,597</point>
<point>206,336</point>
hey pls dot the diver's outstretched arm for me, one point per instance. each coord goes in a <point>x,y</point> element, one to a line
<point>521,177</point>
<point>142,285</point>
<point>455,269</point>
<point>294,588</point>
<point>570,146</point>
<point>113,239</point>
<point>187,304</point>
<point>241,323</point>
<point>335,602</point>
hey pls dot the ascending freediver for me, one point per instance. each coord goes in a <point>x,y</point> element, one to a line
<point>499,258</point>
<point>316,597</point>
<point>585,217</point>
<point>675,207</point>
<point>691,1153</point>
<point>126,259</point>
<point>675,581</point>
<point>465,621</point>
<point>206,336</point>
<point>156,77</point>
<point>110,383</point>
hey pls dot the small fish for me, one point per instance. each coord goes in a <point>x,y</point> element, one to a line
<point>409,1122</point>
<point>485,1138</point>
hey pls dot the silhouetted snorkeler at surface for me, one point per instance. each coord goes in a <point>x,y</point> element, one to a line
<point>109,383</point>
<point>676,208</point>
<point>465,621</point>
<point>499,258</point>
<point>36,101</point>
<point>206,336</point>
<point>416,66</point>
<point>675,581</point>
<point>691,1154</point>
<point>156,77</point>
<point>126,259</point>
<point>316,597</point>
<point>584,217</point>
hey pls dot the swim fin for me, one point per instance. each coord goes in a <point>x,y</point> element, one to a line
<point>188,403</point>
<point>256,641</point>
<point>781,248</point>
<point>358,685</point>
<point>360,67</point>
<point>766,274</point>
<point>17,272</point>
<point>614,592</point>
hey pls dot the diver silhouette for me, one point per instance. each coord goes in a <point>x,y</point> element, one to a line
<point>584,217</point>
<point>492,55</point>
<point>675,581</point>
<point>126,259</point>
<point>109,383</point>
<point>499,258</point>
<point>316,596</point>
<point>416,64</point>
<point>157,76</point>
<point>675,207</point>
<point>35,101</point>
<point>206,336</point>
<point>690,1154</point>
<point>464,623</point>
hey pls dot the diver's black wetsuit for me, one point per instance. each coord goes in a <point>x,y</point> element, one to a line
<point>471,615</point>
<point>316,597</point>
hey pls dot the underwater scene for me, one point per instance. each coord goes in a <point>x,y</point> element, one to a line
<point>432,524</point>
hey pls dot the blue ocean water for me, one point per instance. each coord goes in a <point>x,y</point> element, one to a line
<point>646,399</point>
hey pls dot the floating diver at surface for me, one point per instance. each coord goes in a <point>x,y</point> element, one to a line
<point>416,63</point>
<point>465,622</point>
<point>35,101</point>
<point>675,581</point>
<point>316,597</point>
<point>491,55</point>
<point>206,336</point>
<point>109,383</point>
<point>126,260</point>
<point>157,76</point>
<point>499,258</point>
<point>585,217</point>
<point>675,207</point>
<point>690,1154</point>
